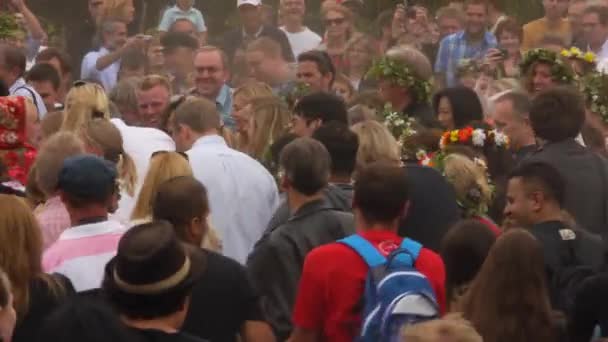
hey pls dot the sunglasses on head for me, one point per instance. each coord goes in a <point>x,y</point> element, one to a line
<point>337,21</point>
<point>158,153</point>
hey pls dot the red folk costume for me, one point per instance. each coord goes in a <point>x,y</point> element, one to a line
<point>15,153</point>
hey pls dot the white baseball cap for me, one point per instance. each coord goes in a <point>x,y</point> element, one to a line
<point>240,3</point>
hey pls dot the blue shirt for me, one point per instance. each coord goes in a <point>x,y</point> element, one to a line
<point>174,13</point>
<point>454,48</point>
<point>224,106</point>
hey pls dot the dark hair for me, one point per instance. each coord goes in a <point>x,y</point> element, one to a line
<point>322,60</point>
<point>178,201</point>
<point>509,299</point>
<point>49,53</point>
<point>84,319</point>
<point>4,89</point>
<point>322,106</point>
<point>544,177</point>
<point>601,11</point>
<point>306,164</point>
<point>463,250</point>
<point>174,40</point>
<point>557,114</point>
<point>342,144</point>
<point>44,72</point>
<point>510,25</point>
<point>476,2</point>
<point>277,147</point>
<point>465,103</point>
<point>381,192</point>
<point>134,59</point>
<point>385,18</point>
<point>13,58</point>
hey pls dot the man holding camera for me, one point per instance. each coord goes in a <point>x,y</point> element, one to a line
<point>472,43</point>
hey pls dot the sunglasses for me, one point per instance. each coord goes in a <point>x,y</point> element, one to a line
<point>159,153</point>
<point>337,21</point>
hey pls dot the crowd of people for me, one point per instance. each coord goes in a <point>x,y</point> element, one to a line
<point>428,176</point>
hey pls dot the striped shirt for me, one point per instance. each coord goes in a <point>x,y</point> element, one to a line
<point>454,48</point>
<point>82,252</point>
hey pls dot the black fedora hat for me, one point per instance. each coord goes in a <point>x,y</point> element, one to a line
<point>151,261</point>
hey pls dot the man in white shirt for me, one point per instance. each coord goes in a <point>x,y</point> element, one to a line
<point>595,29</point>
<point>300,37</point>
<point>12,70</point>
<point>103,65</point>
<point>242,194</point>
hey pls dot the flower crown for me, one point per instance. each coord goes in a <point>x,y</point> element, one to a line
<point>576,53</point>
<point>559,71</point>
<point>402,127</point>
<point>476,137</point>
<point>595,90</point>
<point>401,74</point>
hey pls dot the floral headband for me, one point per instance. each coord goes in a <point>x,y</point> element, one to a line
<point>12,122</point>
<point>401,74</point>
<point>576,53</point>
<point>595,90</point>
<point>559,71</point>
<point>476,137</point>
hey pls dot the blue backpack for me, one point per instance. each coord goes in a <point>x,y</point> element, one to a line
<point>396,294</point>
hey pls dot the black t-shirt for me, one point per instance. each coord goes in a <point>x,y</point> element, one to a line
<point>151,335</point>
<point>222,300</point>
<point>43,300</point>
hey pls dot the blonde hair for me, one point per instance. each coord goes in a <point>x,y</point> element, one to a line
<point>117,9</point>
<point>21,251</point>
<point>163,166</point>
<point>451,328</point>
<point>253,89</point>
<point>150,81</point>
<point>51,155</point>
<point>82,104</point>
<point>334,6</point>
<point>103,135</point>
<point>375,143</point>
<point>270,119</point>
<point>470,183</point>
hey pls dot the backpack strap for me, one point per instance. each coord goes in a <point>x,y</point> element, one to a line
<point>366,250</point>
<point>410,250</point>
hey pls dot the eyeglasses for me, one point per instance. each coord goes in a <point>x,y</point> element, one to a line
<point>159,153</point>
<point>336,21</point>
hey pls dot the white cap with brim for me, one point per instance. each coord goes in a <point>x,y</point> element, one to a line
<point>240,3</point>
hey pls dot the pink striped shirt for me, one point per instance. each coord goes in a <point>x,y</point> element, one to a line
<point>82,252</point>
<point>53,219</point>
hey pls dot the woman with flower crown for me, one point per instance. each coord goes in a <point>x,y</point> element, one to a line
<point>542,69</point>
<point>595,90</point>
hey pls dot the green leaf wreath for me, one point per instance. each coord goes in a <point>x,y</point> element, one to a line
<point>559,70</point>
<point>8,25</point>
<point>401,74</point>
<point>595,90</point>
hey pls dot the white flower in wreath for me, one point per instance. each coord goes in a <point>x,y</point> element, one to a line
<point>500,139</point>
<point>479,137</point>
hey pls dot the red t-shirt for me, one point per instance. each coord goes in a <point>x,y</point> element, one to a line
<point>333,280</point>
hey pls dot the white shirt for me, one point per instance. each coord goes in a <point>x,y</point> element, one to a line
<point>107,77</point>
<point>20,88</point>
<point>139,143</point>
<point>242,194</point>
<point>302,41</point>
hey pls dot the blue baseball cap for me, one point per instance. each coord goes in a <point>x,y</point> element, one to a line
<point>87,176</point>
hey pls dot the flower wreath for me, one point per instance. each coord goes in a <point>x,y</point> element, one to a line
<point>403,128</point>
<point>576,53</point>
<point>476,137</point>
<point>401,74</point>
<point>559,71</point>
<point>595,90</point>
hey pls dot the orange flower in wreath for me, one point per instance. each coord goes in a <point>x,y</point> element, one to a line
<point>465,134</point>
